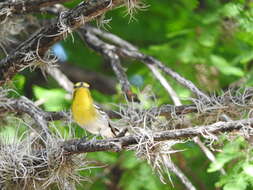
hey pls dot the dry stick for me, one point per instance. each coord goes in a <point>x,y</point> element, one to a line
<point>171,92</point>
<point>34,48</point>
<point>24,105</point>
<point>61,78</point>
<point>152,61</point>
<point>117,144</point>
<point>177,102</point>
<point>122,77</point>
<point>111,37</point>
<point>165,84</point>
<point>24,7</point>
<point>107,51</point>
<point>207,152</point>
<point>178,173</point>
<point>169,164</point>
<point>126,50</point>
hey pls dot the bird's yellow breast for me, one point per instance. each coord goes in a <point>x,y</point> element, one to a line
<point>83,110</point>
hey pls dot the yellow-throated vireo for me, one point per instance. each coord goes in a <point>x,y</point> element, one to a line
<point>89,116</point>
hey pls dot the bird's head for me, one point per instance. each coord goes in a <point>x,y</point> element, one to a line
<point>82,88</point>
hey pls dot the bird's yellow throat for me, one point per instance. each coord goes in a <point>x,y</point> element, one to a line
<point>82,106</point>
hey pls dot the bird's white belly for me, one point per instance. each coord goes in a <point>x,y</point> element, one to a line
<point>95,126</point>
<point>99,126</point>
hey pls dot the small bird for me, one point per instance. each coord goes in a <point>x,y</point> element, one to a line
<point>87,115</point>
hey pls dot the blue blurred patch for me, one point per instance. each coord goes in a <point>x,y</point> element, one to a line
<point>59,52</point>
<point>136,80</point>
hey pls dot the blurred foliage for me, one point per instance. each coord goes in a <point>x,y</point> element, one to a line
<point>236,159</point>
<point>208,42</point>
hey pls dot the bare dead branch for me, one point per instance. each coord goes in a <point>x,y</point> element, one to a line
<point>168,163</point>
<point>24,105</point>
<point>165,84</point>
<point>197,140</point>
<point>61,78</point>
<point>172,167</point>
<point>111,38</point>
<point>129,51</point>
<point>117,144</point>
<point>42,40</point>
<point>152,61</point>
<point>23,7</point>
<point>207,152</point>
<point>107,50</point>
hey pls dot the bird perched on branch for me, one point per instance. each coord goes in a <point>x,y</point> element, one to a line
<point>88,115</point>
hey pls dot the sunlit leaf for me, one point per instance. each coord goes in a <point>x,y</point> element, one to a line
<point>224,67</point>
<point>52,99</point>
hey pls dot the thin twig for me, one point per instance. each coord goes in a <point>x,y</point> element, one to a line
<point>152,61</point>
<point>165,84</point>
<point>169,163</point>
<point>24,105</point>
<point>107,50</point>
<point>130,51</point>
<point>207,152</point>
<point>24,7</point>
<point>197,140</point>
<point>112,38</point>
<point>172,167</point>
<point>61,78</point>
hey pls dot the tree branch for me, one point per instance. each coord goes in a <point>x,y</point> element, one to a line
<point>117,144</point>
<point>34,48</point>
<point>165,84</point>
<point>152,61</point>
<point>129,51</point>
<point>21,7</point>
<point>61,78</point>
<point>173,167</point>
<point>107,51</point>
<point>24,105</point>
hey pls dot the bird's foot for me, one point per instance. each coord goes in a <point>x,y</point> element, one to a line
<point>122,133</point>
<point>116,146</point>
<point>84,139</point>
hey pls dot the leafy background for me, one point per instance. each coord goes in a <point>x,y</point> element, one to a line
<point>208,42</point>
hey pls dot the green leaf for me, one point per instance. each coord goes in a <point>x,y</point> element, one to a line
<point>53,99</point>
<point>131,161</point>
<point>104,157</point>
<point>238,184</point>
<point>248,169</point>
<point>224,67</point>
<point>187,54</point>
<point>19,81</point>
<point>230,151</point>
<point>232,9</point>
